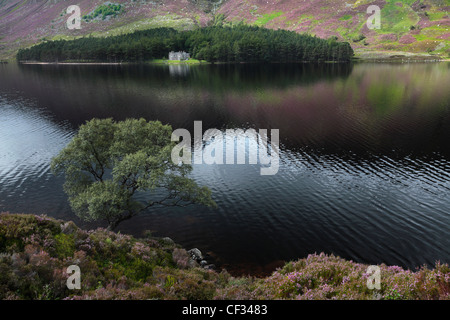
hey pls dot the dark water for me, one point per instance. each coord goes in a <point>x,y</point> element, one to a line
<point>365,157</point>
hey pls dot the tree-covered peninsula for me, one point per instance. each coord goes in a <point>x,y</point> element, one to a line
<point>231,44</point>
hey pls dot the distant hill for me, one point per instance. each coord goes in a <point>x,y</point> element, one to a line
<point>420,26</point>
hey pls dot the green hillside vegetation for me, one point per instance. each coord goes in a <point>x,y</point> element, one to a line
<point>411,26</point>
<point>104,11</point>
<point>267,17</point>
<point>241,43</point>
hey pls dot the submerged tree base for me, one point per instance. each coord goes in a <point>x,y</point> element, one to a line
<point>35,252</point>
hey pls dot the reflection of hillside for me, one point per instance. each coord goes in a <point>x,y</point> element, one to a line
<point>77,93</point>
<point>247,76</point>
<point>332,108</point>
<point>378,110</point>
<point>212,77</point>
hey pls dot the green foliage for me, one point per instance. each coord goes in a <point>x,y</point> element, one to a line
<point>346,17</point>
<point>393,294</point>
<point>219,20</point>
<point>322,276</point>
<point>359,38</point>
<point>170,281</point>
<point>107,163</point>
<point>117,266</point>
<point>106,259</point>
<point>398,19</point>
<point>238,43</point>
<point>104,11</point>
<point>65,245</point>
<point>15,230</point>
<point>266,18</point>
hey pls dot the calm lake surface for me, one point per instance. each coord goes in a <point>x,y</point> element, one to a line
<point>364,158</point>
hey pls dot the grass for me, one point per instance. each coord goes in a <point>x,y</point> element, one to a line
<point>18,6</point>
<point>305,17</point>
<point>104,11</point>
<point>266,18</point>
<point>433,16</point>
<point>355,32</point>
<point>346,17</point>
<point>391,55</point>
<point>168,21</point>
<point>397,19</point>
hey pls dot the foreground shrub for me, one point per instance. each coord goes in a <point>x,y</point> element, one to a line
<point>35,252</point>
<point>329,277</point>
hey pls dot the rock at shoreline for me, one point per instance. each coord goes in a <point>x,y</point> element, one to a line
<point>196,254</point>
<point>197,258</point>
<point>168,241</point>
<point>210,267</point>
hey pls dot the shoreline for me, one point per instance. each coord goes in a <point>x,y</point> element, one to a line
<point>70,63</point>
<point>396,56</point>
<point>355,60</point>
<point>377,56</point>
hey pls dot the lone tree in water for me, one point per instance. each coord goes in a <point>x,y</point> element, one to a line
<point>108,163</point>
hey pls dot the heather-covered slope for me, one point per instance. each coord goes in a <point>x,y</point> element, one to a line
<point>35,252</point>
<point>26,22</point>
<point>406,25</point>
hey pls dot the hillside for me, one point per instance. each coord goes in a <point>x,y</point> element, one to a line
<point>408,25</point>
<point>420,26</point>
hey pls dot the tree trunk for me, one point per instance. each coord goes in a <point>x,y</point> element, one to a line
<point>113,224</point>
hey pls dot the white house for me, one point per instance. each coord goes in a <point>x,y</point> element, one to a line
<point>179,56</point>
